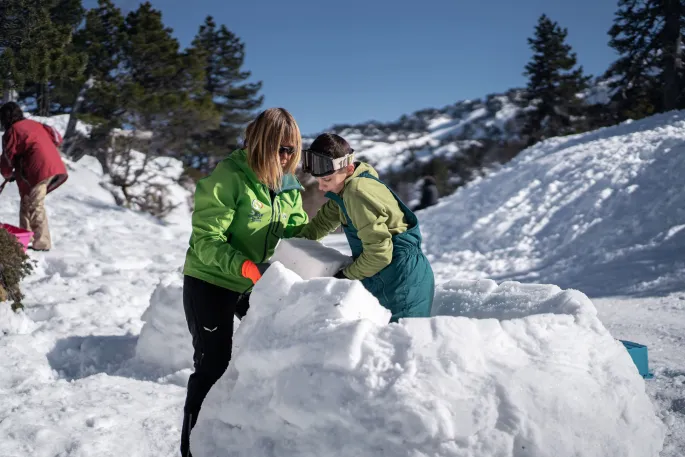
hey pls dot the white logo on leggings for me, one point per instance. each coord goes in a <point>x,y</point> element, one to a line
<point>210,330</point>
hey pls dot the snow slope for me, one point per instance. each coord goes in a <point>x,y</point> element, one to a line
<point>71,379</point>
<point>601,212</point>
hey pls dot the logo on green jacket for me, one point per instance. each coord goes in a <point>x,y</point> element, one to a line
<point>257,205</point>
<point>256,214</point>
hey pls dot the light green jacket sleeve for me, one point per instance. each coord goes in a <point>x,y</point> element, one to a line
<point>298,218</point>
<point>368,210</point>
<point>327,219</point>
<point>215,205</point>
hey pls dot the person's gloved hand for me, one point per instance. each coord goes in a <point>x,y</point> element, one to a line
<point>12,178</point>
<point>340,274</point>
<point>262,267</point>
<point>253,271</point>
<point>242,305</point>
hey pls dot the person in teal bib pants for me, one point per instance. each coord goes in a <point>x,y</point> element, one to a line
<point>383,233</point>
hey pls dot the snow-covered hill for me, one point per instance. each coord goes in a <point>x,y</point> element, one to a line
<point>599,212</point>
<point>602,212</point>
<point>450,132</point>
<point>429,133</point>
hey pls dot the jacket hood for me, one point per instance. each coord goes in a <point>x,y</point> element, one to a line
<point>361,167</point>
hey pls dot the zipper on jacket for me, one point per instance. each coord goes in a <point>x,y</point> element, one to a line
<point>272,194</point>
<point>273,229</point>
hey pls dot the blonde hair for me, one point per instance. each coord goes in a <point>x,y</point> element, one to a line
<point>273,128</point>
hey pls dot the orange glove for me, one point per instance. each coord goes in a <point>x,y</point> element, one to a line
<point>250,271</point>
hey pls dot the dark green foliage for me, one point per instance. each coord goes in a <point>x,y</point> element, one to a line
<point>554,84</point>
<point>13,15</point>
<point>164,90</point>
<point>42,53</point>
<point>222,55</point>
<point>14,266</point>
<point>648,76</point>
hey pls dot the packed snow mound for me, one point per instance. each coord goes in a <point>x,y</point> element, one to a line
<point>308,258</point>
<point>164,340</point>
<point>317,370</point>
<point>165,344</point>
<point>597,212</point>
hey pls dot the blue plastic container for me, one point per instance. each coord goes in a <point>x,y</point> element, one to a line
<point>638,353</point>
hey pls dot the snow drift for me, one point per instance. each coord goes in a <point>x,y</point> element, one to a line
<point>317,370</point>
<point>600,212</point>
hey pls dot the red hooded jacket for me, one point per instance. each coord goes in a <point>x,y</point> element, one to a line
<point>30,148</point>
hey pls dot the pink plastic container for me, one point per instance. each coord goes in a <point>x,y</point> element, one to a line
<point>24,236</point>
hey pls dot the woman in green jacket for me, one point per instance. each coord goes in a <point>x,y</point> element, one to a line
<point>249,202</point>
<point>383,234</point>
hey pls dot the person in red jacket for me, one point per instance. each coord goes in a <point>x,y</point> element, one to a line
<point>30,156</point>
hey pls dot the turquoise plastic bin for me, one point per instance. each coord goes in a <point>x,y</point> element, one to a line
<point>638,353</point>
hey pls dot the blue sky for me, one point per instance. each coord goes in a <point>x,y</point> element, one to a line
<point>353,61</point>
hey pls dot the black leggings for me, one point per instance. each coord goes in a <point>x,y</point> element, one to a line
<point>209,312</point>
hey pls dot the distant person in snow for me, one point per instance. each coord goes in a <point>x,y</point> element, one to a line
<point>382,232</point>
<point>30,156</point>
<point>429,193</point>
<point>250,201</point>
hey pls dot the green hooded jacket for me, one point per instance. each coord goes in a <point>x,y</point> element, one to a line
<point>375,213</point>
<point>237,218</point>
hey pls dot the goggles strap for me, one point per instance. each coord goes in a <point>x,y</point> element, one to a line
<point>342,162</point>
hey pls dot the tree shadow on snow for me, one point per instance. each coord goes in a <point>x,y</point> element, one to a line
<point>652,272</point>
<point>78,357</point>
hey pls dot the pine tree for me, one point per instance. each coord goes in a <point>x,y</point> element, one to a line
<point>69,69</point>
<point>97,95</point>
<point>41,50</point>
<point>16,26</point>
<point>164,93</point>
<point>223,54</point>
<point>554,84</point>
<point>55,58</point>
<point>648,76</point>
<point>102,40</point>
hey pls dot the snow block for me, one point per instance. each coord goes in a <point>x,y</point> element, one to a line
<point>317,370</point>
<point>165,342</point>
<point>309,259</point>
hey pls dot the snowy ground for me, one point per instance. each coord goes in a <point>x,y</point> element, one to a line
<point>72,384</point>
<point>67,384</point>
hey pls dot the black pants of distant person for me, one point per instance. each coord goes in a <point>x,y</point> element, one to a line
<point>209,312</point>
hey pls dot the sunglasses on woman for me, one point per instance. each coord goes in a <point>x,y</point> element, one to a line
<point>286,150</point>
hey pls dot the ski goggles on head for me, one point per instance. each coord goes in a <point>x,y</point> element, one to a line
<point>319,165</point>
